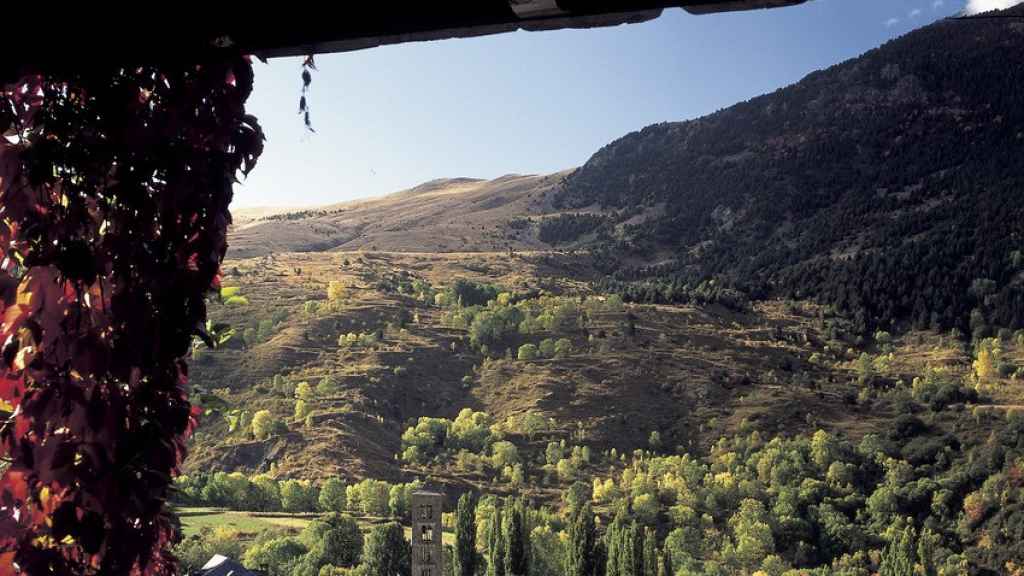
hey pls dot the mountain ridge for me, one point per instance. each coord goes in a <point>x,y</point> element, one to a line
<point>856,171</point>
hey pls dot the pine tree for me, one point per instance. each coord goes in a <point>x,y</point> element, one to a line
<point>465,536</point>
<point>517,539</point>
<point>580,556</point>
<point>900,554</point>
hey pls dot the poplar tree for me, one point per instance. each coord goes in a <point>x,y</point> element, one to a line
<point>517,539</point>
<point>580,557</point>
<point>650,555</point>
<point>465,536</point>
<point>665,567</point>
<point>900,555</point>
<point>496,545</point>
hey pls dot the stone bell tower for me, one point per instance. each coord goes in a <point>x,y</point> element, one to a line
<point>427,549</point>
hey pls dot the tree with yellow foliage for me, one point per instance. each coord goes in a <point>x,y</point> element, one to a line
<point>986,363</point>
<point>336,291</point>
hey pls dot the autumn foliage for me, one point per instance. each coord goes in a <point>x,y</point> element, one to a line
<point>114,193</point>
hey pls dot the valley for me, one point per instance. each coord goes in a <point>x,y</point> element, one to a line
<point>508,374</point>
<point>691,373</point>
<point>783,339</point>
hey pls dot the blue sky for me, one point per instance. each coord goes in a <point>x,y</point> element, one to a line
<point>390,118</point>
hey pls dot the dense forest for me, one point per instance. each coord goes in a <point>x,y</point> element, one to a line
<point>568,227</point>
<point>853,187</point>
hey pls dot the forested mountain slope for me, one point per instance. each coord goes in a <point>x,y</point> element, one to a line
<point>887,186</point>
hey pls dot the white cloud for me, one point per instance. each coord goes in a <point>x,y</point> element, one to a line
<point>977,6</point>
<point>915,12</point>
<point>891,22</point>
<point>937,4</point>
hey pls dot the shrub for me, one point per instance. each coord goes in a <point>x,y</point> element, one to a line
<point>529,424</point>
<point>283,386</point>
<point>614,304</point>
<point>654,440</point>
<point>527,352</point>
<point>906,426</point>
<point>299,496</point>
<point>304,391</point>
<point>399,498</point>
<point>370,497</point>
<point>327,386</point>
<point>547,348</point>
<point>567,469</point>
<point>563,347</point>
<point>334,539</point>
<point>265,494</point>
<point>467,293</point>
<point>492,327</point>
<point>646,509</point>
<point>276,554</point>
<point>195,551</point>
<point>504,454</point>
<point>386,552</point>
<point>467,461</point>
<point>988,356</point>
<point>553,453</point>
<point>336,290</point>
<point>332,496</point>
<point>265,425</point>
<point>472,430</point>
<point>265,329</point>
<point>939,390</point>
<point>924,449</point>
<point>427,437</point>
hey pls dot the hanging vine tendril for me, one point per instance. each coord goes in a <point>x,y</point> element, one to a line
<point>114,193</point>
<point>308,66</point>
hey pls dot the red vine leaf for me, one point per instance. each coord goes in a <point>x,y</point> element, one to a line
<point>115,186</point>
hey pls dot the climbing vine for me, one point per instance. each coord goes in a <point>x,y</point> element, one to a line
<point>114,193</point>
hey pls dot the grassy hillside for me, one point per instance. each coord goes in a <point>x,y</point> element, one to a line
<point>691,373</point>
<point>508,374</point>
<point>441,216</point>
<point>633,370</point>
